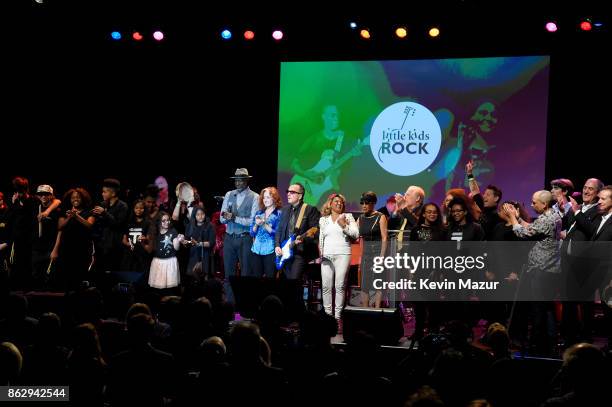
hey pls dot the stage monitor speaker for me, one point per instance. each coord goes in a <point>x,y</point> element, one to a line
<point>385,324</point>
<point>134,278</point>
<point>249,292</point>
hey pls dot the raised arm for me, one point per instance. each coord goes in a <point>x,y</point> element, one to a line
<point>474,188</point>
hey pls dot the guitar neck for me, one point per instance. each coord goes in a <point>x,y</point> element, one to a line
<point>305,234</point>
<point>340,161</point>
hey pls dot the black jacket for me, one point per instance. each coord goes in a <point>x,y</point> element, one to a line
<point>605,233</point>
<point>309,248</point>
<point>582,230</point>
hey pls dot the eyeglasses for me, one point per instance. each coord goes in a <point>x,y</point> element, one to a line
<point>365,202</point>
<point>293,192</point>
<point>457,211</point>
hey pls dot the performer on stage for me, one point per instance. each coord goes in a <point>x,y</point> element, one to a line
<point>337,231</point>
<point>263,231</point>
<point>373,230</point>
<point>164,244</point>
<point>238,209</point>
<point>296,219</point>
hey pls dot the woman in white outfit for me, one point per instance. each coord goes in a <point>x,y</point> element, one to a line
<point>337,230</point>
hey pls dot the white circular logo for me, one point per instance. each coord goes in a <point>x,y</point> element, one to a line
<point>405,138</point>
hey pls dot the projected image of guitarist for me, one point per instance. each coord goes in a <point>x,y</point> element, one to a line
<point>295,240</point>
<point>318,163</point>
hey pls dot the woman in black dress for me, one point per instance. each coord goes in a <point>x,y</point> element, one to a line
<point>373,231</point>
<point>75,249</point>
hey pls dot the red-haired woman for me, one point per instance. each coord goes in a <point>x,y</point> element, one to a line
<point>263,230</point>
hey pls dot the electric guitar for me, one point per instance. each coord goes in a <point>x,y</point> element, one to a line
<point>289,244</point>
<point>328,171</point>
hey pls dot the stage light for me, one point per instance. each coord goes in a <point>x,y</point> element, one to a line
<point>597,24</point>
<point>353,25</point>
<point>586,25</point>
<point>401,32</point>
<point>249,35</point>
<point>226,34</point>
<point>434,32</point>
<point>277,35</point>
<point>551,27</point>
<point>137,36</point>
<point>365,34</point>
<point>116,35</point>
<point>158,35</point>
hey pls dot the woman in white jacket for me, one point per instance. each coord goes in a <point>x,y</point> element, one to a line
<point>337,230</point>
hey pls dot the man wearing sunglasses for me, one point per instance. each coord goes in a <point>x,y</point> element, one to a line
<point>305,248</point>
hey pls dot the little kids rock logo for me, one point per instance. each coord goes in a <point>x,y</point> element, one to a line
<point>405,138</point>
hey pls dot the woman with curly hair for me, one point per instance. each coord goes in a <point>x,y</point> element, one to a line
<point>337,230</point>
<point>263,231</point>
<point>74,247</point>
<point>460,193</point>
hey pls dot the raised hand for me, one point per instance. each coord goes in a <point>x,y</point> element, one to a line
<point>400,202</point>
<point>575,205</point>
<point>469,167</point>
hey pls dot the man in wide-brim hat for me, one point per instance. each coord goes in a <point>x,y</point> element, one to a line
<point>237,212</point>
<point>241,173</point>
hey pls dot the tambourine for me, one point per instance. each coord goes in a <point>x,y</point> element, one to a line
<point>184,192</point>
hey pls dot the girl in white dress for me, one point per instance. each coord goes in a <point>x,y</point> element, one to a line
<point>164,243</point>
